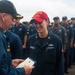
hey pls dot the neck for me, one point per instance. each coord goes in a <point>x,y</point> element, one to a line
<point>0,24</point>
<point>43,34</point>
<point>64,25</point>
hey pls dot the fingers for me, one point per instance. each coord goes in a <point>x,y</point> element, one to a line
<point>16,62</point>
<point>28,69</point>
<point>32,67</point>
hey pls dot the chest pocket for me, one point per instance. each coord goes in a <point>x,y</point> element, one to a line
<point>50,55</point>
<point>68,31</point>
<point>33,51</point>
<point>59,32</point>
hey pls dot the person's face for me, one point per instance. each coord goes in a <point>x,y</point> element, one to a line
<point>73,21</point>
<point>56,21</point>
<point>64,21</point>
<point>7,20</point>
<point>17,21</point>
<point>41,27</point>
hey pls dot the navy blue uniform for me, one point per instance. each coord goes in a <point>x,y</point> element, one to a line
<point>5,67</point>
<point>70,33</point>
<point>69,52</point>
<point>70,36</point>
<point>74,44</point>
<point>47,53</point>
<point>15,45</point>
<point>61,32</point>
<point>20,30</point>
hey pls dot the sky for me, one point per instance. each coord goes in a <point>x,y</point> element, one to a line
<point>28,8</point>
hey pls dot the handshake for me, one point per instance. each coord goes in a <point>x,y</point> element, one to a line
<point>26,64</point>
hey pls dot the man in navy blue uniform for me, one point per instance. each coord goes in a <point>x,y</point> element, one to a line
<point>7,15</point>
<point>69,50</point>
<point>45,48</point>
<point>60,31</point>
<point>20,30</point>
<point>73,26</point>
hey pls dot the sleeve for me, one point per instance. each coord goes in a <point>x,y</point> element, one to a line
<point>71,33</point>
<point>27,47</point>
<point>64,36</point>
<point>5,68</point>
<point>24,30</point>
<point>60,59</point>
<point>16,48</point>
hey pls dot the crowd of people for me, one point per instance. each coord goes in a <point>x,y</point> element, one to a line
<point>50,44</point>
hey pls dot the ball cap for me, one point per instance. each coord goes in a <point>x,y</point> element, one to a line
<point>64,18</point>
<point>39,16</point>
<point>56,18</point>
<point>73,18</point>
<point>18,16</point>
<point>8,7</point>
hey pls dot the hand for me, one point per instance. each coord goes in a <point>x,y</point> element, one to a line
<point>71,45</point>
<point>24,46</point>
<point>16,62</point>
<point>74,45</point>
<point>28,69</point>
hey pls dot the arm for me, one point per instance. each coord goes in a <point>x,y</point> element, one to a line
<point>25,39</point>
<point>6,67</point>
<point>71,43</point>
<point>60,59</point>
<point>65,39</point>
<point>71,37</point>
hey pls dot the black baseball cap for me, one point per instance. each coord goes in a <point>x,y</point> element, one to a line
<point>19,16</point>
<point>8,7</point>
<point>73,18</point>
<point>56,18</point>
<point>64,18</point>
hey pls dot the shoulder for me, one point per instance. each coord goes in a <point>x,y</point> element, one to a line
<point>11,35</point>
<point>32,36</point>
<point>63,29</point>
<point>54,37</point>
<point>22,25</point>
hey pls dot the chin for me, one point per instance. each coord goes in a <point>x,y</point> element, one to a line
<point>39,31</point>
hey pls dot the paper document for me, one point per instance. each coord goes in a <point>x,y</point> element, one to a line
<point>26,62</point>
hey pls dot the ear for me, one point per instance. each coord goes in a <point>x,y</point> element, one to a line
<point>3,16</point>
<point>47,22</point>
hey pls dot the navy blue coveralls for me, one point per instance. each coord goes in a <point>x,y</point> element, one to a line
<point>73,45</point>
<point>70,35</point>
<point>5,64</point>
<point>15,45</point>
<point>20,30</point>
<point>69,52</point>
<point>48,56</point>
